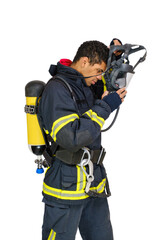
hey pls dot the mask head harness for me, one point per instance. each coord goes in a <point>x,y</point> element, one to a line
<point>119,71</point>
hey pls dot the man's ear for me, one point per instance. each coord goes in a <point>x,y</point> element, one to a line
<point>84,61</point>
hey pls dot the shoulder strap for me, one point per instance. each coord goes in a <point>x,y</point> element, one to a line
<point>66,85</point>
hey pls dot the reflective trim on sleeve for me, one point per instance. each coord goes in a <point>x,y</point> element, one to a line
<point>95,117</point>
<point>52,235</point>
<point>61,122</point>
<point>72,195</point>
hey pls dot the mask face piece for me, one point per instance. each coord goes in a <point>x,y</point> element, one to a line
<point>123,81</point>
<point>118,77</point>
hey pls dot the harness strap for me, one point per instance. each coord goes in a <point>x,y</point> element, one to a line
<point>71,158</point>
<point>74,158</point>
<point>50,150</point>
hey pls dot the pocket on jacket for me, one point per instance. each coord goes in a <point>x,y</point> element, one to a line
<point>69,177</point>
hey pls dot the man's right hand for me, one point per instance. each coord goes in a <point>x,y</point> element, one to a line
<point>122,93</point>
<point>114,99</point>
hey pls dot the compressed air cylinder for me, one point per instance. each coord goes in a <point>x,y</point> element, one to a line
<point>36,141</point>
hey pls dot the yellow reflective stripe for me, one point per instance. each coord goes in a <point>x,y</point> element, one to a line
<point>104,84</point>
<point>52,235</point>
<point>81,179</point>
<point>47,169</point>
<point>95,117</point>
<point>72,195</point>
<point>78,178</point>
<point>100,187</point>
<point>61,122</point>
<point>84,179</point>
<point>62,194</point>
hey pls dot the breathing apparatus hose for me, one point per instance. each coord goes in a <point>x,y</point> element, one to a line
<point>114,119</point>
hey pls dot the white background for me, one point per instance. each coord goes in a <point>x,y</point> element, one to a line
<point>35,34</point>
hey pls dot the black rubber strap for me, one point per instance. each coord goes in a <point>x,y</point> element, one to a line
<point>74,158</point>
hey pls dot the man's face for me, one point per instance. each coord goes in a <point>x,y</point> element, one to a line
<point>91,70</point>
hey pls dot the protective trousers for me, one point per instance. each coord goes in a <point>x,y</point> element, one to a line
<point>61,221</point>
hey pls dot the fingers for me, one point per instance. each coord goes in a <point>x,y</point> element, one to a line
<point>122,93</point>
<point>104,94</point>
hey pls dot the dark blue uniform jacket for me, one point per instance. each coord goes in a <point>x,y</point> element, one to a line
<point>66,183</point>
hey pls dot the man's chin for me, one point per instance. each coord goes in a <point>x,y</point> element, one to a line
<point>93,82</point>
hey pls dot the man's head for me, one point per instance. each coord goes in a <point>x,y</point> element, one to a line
<point>91,59</point>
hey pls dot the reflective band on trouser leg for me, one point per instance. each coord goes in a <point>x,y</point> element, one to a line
<point>81,179</point>
<point>61,122</point>
<point>72,195</point>
<point>52,235</point>
<point>95,117</point>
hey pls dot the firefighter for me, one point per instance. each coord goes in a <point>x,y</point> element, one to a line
<point>74,188</point>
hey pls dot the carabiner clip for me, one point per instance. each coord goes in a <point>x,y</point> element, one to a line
<point>85,161</point>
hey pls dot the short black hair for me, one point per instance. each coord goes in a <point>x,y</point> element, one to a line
<point>96,51</point>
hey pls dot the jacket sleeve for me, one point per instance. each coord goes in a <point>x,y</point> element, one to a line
<point>61,120</point>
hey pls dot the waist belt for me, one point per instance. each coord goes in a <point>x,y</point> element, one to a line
<point>74,158</point>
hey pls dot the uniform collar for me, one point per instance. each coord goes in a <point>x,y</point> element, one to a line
<point>63,68</point>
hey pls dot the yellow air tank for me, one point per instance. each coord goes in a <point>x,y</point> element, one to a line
<point>36,141</point>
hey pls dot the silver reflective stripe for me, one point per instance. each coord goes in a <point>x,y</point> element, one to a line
<point>101,187</point>
<point>52,235</point>
<point>81,179</point>
<point>61,122</point>
<point>95,117</point>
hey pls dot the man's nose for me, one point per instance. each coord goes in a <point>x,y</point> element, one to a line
<point>99,77</point>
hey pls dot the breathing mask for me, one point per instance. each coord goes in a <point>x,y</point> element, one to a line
<point>119,71</point>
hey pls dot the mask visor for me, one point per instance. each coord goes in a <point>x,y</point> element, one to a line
<point>124,79</point>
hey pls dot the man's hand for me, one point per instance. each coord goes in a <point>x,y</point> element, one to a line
<point>122,93</point>
<point>114,99</point>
